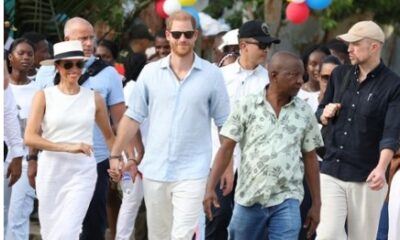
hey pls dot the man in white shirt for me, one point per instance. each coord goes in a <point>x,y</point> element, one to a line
<point>13,139</point>
<point>243,77</point>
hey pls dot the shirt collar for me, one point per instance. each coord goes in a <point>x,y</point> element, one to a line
<point>375,72</point>
<point>239,68</point>
<point>197,64</point>
<point>261,98</point>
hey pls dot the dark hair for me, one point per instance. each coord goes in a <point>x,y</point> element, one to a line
<point>14,45</point>
<point>110,45</point>
<point>161,33</point>
<point>18,41</point>
<point>338,46</point>
<point>34,37</point>
<point>329,59</point>
<point>306,54</point>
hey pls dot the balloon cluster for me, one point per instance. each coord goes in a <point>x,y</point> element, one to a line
<point>164,8</point>
<point>298,11</point>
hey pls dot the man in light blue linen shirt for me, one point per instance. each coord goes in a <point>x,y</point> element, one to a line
<point>108,83</point>
<point>179,94</point>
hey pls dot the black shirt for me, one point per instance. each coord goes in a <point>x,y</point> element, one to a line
<point>368,121</point>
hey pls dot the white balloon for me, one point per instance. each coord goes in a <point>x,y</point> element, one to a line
<point>297,1</point>
<point>171,6</point>
<point>200,5</point>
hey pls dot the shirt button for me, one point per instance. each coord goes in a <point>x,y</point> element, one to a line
<point>349,119</point>
<point>358,93</point>
<point>341,147</point>
<point>337,160</point>
<point>345,133</point>
<point>353,105</point>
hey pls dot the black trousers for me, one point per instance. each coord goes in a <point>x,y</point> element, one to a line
<point>218,228</point>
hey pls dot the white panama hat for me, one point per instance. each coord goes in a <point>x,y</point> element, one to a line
<point>68,50</point>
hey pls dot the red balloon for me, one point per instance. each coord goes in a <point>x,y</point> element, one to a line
<point>297,13</point>
<point>160,9</point>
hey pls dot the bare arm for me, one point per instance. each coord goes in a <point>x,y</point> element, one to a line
<point>103,122</point>
<point>377,178</point>
<point>117,111</point>
<point>227,178</point>
<point>221,162</point>
<point>311,168</point>
<point>33,138</point>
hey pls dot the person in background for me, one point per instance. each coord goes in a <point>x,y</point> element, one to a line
<point>13,140</point>
<point>243,77</point>
<point>161,45</point>
<point>135,57</point>
<point>394,198</point>
<point>107,83</point>
<point>272,127</point>
<point>21,59</point>
<point>230,47</point>
<point>327,65</point>
<point>360,107</point>
<point>61,125</point>
<point>42,51</point>
<point>180,95</point>
<point>339,50</point>
<point>108,52</point>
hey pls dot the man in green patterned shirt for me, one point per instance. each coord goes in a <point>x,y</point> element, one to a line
<point>278,134</point>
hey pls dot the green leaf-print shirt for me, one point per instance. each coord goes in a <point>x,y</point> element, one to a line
<point>271,169</point>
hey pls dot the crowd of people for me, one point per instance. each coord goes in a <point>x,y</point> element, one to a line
<point>168,145</point>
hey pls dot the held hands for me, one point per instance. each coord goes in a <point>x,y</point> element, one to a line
<point>210,198</point>
<point>329,112</point>
<point>79,148</point>
<point>115,171</point>
<point>376,179</point>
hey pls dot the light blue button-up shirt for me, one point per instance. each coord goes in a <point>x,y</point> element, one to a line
<point>107,83</point>
<point>179,138</point>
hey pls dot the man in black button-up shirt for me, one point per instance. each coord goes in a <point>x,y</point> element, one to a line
<point>361,108</point>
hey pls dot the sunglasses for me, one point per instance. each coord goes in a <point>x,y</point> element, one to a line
<point>260,45</point>
<point>177,34</point>
<point>325,77</point>
<point>68,65</point>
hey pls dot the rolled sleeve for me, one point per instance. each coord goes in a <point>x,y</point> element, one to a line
<point>138,101</point>
<point>219,100</point>
<point>391,133</point>
<point>234,126</point>
<point>312,136</point>
<point>116,94</point>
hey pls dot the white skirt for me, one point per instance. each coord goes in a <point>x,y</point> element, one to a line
<point>65,184</point>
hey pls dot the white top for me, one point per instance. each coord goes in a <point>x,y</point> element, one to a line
<point>309,97</point>
<point>23,95</point>
<point>12,129</point>
<point>69,118</point>
<point>239,83</point>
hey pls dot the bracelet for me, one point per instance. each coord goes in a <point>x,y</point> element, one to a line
<point>31,157</point>
<point>119,157</point>
<point>134,160</point>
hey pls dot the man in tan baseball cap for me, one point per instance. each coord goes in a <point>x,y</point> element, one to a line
<point>361,30</point>
<point>360,139</point>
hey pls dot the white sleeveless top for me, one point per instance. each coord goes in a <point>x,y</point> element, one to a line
<point>69,118</point>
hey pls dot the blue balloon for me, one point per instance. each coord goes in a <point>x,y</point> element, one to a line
<point>318,4</point>
<point>192,11</point>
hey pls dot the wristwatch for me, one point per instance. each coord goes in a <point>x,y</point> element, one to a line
<point>30,157</point>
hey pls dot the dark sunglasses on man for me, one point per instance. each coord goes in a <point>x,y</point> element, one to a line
<point>260,45</point>
<point>178,34</point>
<point>67,65</point>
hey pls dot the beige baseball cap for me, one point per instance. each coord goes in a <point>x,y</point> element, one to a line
<point>361,30</point>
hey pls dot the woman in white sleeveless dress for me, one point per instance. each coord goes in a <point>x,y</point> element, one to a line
<point>65,114</point>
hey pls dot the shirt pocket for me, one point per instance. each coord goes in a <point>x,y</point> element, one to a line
<point>371,114</point>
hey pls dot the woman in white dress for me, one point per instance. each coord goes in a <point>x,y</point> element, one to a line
<point>61,125</point>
